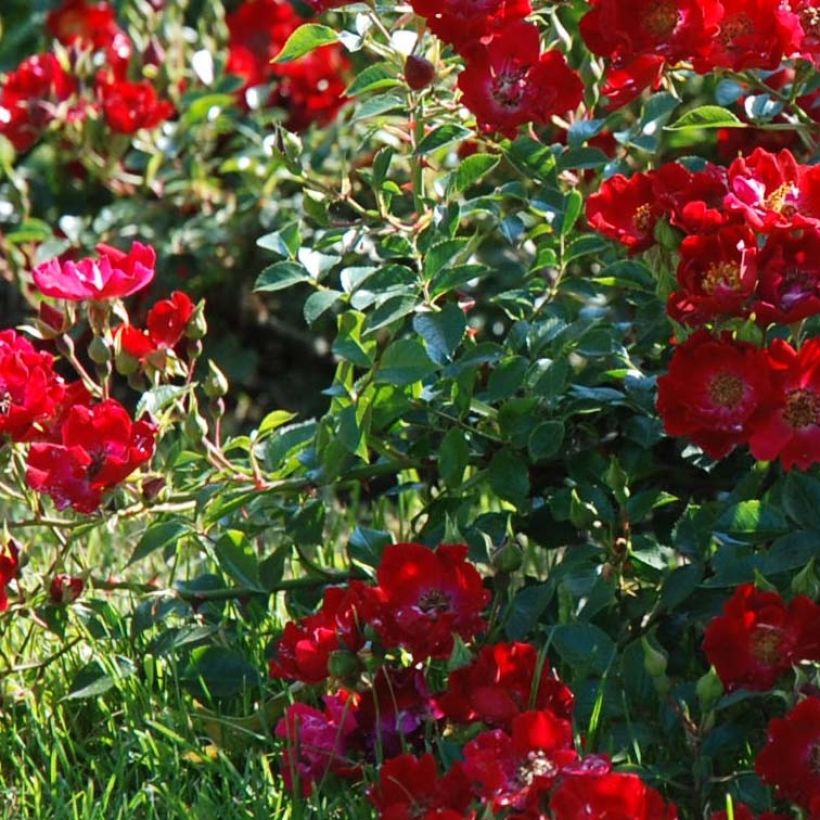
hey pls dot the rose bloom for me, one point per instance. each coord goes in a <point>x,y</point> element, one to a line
<point>788,427</point>
<point>774,191</point>
<point>80,21</point>
<point>167,322</point>
<point>462,23</point>
<point>427,596</point>
<point>517,770</point>
<point>9,567</point>
<point>128,106</point>
<point>788,290</point>
<point>509,82</point>
<point>316,743</point>
<point>624,83</point>
<point>501,683</point>
<point>30,390</point>
<point>694,200</point>
<point>411,787</point>
<point>712,389</point>
<point>613,796</point>
<point>98,447</point>
<point>809,16</point>
<point>717,275</point>
<point>626,210</point>
<point>113,275</point>
<point>788,761</point>
<point>30,97</point>
<point>758,637</point>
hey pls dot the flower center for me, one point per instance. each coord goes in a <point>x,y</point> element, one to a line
<point>765,644</point>
<point>722,275</point>
<point>802,409</point>
<point>662,20</point>
<point>643,220</point>
<point>738,26</point>
<point>810,20</point>
<point>434,601</point>
<point>726,390</point>
<point>781,200</point>
<point>97,463</point>
<point>510,85</point>
<point>537,764</point>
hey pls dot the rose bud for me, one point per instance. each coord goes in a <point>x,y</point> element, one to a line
<point>418,72</point>
<point>65,589</point>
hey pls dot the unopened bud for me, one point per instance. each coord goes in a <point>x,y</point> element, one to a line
<point>99,351</point>
<point>125,363</point>
<point>654,661</point>
<point>708,689</point>
<point>418,72</point>
<point>508,558</point>
<point>198,325</point>
<point>215,384</point>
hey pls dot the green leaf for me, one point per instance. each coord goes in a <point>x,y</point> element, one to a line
<point>157,536</point>
<point>442,331</point>
<point>680,584</point>
<point>584,646</point>
<point>509,477</point>
<point>318,303</point>
<point>707,116</point>
<point>237,559</point>
<point>373,78</point>
<point>404,362</point>
<point>223,672</point>
<point>801,499</point>
<point>453,456</point>
<point>280,276</point>
<point>441,136</point>
<point>366,546</point>
<point>274,420</point>
<point>156,399</point>
<point>305,39</point>
<point>545,440</point>
<point>470,171</point>
<point>527,607</point>
<point>440,254</point>
<point>285,242</point>
<point>752,521</point>
<point>92,680</point>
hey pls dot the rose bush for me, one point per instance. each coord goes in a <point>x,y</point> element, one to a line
<point>424,398</point>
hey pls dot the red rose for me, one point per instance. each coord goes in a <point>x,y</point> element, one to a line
<point>717,275</point>
<point>788,761</point>
<point>517,770</point>
<point>30,390</point>
<point>501,683</point>
<point>809,22</point>
<point>168,319</point>
<point>9,567</point>
<point>758,638</point>
<point>626,82</point>
<point>695,200</point>
<point>465,22</point>
<point>789,277</point>
<point>30,97</point>
<point>410,787</point>
<point>788,428</point>
<point>88,23</point>
<point>65,589</point>
<point>509,82</point>
<point>99,446</point>
<point>316,742</point>
<point>130,106</point>
<point>113,275</point>
<point>614,796</point>
<point>303,651</point>
<point>774,191</point>
<point>627,210</point>
<point>712,389</point>
<point>427,596</point>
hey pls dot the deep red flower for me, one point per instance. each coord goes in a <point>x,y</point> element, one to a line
<point>789,277</point>
<point>113,275</point>
<point>509,82</point>
<point>99,446</point>
<point>30,390</point>
<point>627,210</point>
<point>128,106</point>
<point>465,22</point>
<point>9,566</point>
<point>808,14</point>
<point>410,788</point>
<point>612,796</point>
<point>168,318</point>
<point>758,638</point>
<point>774,191</point>
<point>694,201</point>
<point>30,97</point>
<point>712,389</point>
<point>717,275</point>
<point>789,427</point>
<point>789,760</point>
<point>303,651</point>
<point>84,22</point>
<point>625,82</point>
<point>672,29</point>
<point>503,681</point>
<point>427,596</point>
<point>517,770</point>
<point>65,589</point>
<point>316,742</point>
<point>752,34</point>
<point>394,713</point>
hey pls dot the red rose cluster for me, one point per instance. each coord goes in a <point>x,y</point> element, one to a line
<point>640,38</point>
<point>42,90</point>
<point>749,251</point>
<point>310,89</point>
<point>515,713</point>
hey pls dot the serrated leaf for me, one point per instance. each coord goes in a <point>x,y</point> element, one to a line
<point>441,136</point>
<point>156,399</point>
<point>470,171</point>
<point>237,559</point>
<point>318,303</point>
<point>404,362</point>
<point>707,116</point>
<point>442,331</point>
<point>157,536</point>
<point>546,440</point>
<point>373,78</point>
<point>280,276</point>
<point>305,39</point>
